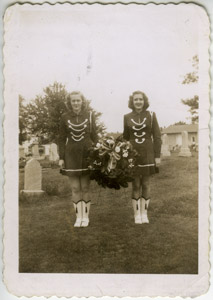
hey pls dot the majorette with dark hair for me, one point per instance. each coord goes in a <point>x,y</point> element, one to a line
<point>77,133</point>
<point>142,130</point>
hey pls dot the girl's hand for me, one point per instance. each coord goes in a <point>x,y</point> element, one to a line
<point>61,163</point>
<point>157,162</point>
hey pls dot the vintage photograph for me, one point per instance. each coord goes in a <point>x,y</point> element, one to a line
<point>108,109</point>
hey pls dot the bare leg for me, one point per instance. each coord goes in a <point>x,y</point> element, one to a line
<point>144,202</point>
<point>76,188</point>
<point>85,183</point>
<point>136,192</point>
<point>76,197</point>
<point>136,188</point>
<point>145,187</point>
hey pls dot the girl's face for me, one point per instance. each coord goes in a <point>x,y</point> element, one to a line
<point>138,101</point>
<point>76,102</point>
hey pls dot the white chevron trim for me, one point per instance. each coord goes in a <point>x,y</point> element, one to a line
<point>77,136</point>
<point>77,140</point>
<point>139,142</point>
<point>138,124</point>
<point>144,125</point>
<point>78,130</point>
<point>77,125</point>
<point>139,135</point>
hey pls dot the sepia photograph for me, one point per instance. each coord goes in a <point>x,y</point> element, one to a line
<point>106,149</point>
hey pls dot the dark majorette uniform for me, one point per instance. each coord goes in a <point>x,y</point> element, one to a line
<point>143,132</point>
<point>77,132</point>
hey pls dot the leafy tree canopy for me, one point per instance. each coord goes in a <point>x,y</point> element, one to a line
<point>22,120</point>
<point>180,123</point>
<point>190,78</point>
<point>42,115</point>
<point>193,104</point>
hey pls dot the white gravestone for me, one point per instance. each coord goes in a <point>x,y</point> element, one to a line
<point>184,150</point>
<point>35,151</point>
<point>46,150</point>
<point>26,150</point>
<point>32,177</point>
<point>53,154</point>
<point>165,146</point>
<point>26,145</point>
<point>21,152</point>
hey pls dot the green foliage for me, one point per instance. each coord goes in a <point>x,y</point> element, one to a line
<point>193,104</point>
<point>22,121</point>
<point>44,113</point>
<point>190,78</point>
<point>180,123</point>
<point>112,162</point>
<point>41,117</point>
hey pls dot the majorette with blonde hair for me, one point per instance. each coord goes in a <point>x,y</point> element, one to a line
<point>77,133</point>
<point>142,130</point>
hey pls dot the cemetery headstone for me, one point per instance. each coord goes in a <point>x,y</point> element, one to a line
<point>53,152</point>
<point>26,145</point>
<point>35,151</point>
<point>184,150</point>
<point>46,150</point>
<point>165,146</point>
<point>32,177</point>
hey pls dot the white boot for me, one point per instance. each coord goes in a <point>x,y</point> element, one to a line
<point>136,208</point>
<point>78,211</point>
<point>85,214</point>
<point>144,206</point>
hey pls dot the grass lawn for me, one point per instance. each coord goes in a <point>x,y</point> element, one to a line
<point>48,242</point>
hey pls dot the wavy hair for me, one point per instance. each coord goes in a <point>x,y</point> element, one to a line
<point>84,101</point>
<point>145,98</point>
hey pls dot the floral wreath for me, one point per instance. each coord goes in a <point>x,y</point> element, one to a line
<point>111,162</point>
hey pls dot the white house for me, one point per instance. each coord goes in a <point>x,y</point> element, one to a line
<point>174,134</point>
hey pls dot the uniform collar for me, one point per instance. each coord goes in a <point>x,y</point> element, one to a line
<point>73,114</point>
<point>138,114</point>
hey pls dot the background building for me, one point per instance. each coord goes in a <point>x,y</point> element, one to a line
<point>174,134</point>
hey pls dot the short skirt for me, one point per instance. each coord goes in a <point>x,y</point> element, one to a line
<point>76,154</point>
<point>145,162</point>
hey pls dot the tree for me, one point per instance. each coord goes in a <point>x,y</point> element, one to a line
<point>22,120</point>
<point>44,113</point>
<point>180,123</point>
<point>193,103</point>
<point>190,78</point>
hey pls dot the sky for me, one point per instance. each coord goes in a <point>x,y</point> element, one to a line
<point>107,52</point>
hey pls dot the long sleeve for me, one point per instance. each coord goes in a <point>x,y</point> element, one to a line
<point>62,139</point>
<point>126,134</point>
<point>93,133</point>
<point>156,136</point>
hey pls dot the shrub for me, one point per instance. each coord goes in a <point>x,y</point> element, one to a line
<point>56,185</point>
<point>22,162</point>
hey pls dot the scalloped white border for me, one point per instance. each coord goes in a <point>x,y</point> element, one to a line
<point>68,285</point>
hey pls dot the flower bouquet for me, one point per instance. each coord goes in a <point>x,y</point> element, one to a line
<point>111,162</point>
